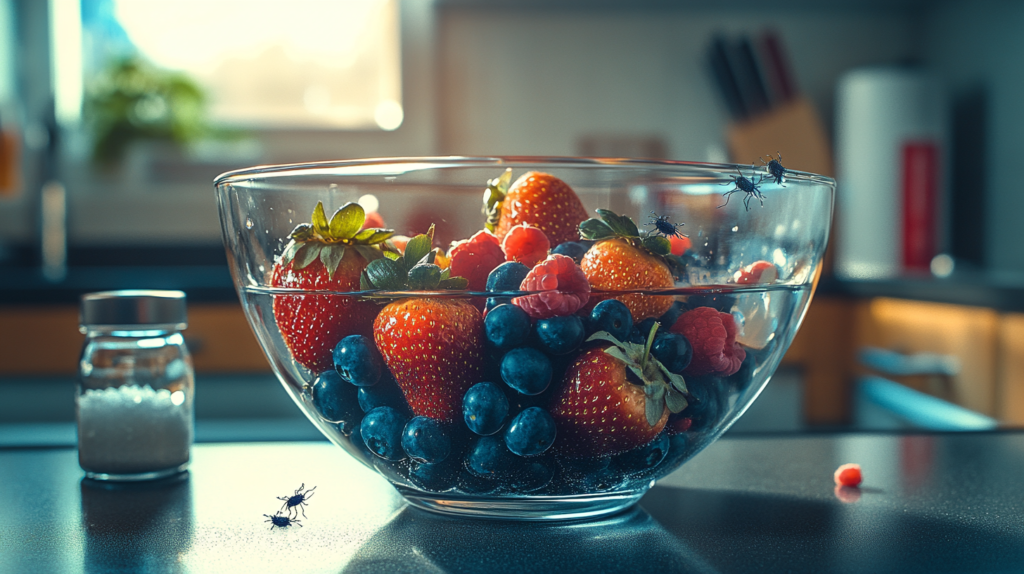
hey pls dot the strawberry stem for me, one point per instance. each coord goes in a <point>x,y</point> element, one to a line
<point>650,343</point>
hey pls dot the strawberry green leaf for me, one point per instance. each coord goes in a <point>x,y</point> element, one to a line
<point>494,195</point>
<point>417,248</point>
<point>424,276</point>
<point>675,265</point>
<point>306,254</point>
<point>345,222</point>
<point>654,407</point>
<point>320,223</point>
<point>331,256</point>
<point>373,236</point>
<point>454,283</point>
<point>289,252</point>
<point>302,232</point>
<point>368,253</point>
<point>657,244</point>
<point>364,282</point>
<point>620,224</point>
<point>621,355</point>
<point>386,274</point>
<point>596,230</point>
<point>675,401</point>
<point>446,274</point>
<point>605,336</point>
<point>392,255</point>
<point>674,379</point>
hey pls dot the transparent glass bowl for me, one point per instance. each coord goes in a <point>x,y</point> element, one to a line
<point>730,249</point>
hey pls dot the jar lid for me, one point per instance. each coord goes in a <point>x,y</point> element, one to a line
<point>134,308</point>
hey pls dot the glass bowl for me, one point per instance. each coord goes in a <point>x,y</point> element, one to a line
<point>601,374</point>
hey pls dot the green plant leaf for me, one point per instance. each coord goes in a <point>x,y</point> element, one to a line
<point>289,252</point>
<point>302,232</point>
<point>306,254</point>
<point>653,409</point>
<point>368,253</point>
<point>320,223</point>
<point>454,283</point>
<point>675,401</point>
<point>445,274</point>
<point>596,230</point>
<point>392,255</point>
<point>417,248</point>
<point>675,380</point>
<point>424,276</point>
<point>345,222</point>
<point>605,336</point>
<point>620,224</point>
<point>364,282</point>
<point>331,256</point>
<point>657,244</point>
<point>386,274</point>
<point>373,236</point>
<point>623,356</point>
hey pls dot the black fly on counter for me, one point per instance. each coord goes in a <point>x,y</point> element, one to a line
<point>297,500</point>
<point>747,186</point>
<point>774,168</point>
<point>281,521</point>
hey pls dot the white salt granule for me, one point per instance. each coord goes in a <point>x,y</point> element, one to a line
<point>132,429</point>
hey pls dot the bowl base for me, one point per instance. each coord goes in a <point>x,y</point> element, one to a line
<point>532,508</point>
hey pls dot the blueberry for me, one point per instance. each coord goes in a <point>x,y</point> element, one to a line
<point>526,370</point>
<point>704,407</point>
<point>381,430</point>
<point>507,276</point>
<point>673,350</point>
<point>604,480</point>
<point>645,457</point>
<point>425,440</point>
<point>573,249</point>
<point>335,401</point>
<point>484,408</point>
<point>532,475</point>
<point>472,484</point>
<point>613,316</point>
<point>506,327</point>
<point>384,394</point>
<point>560,335</point>
<point>488,457</point>
<point>358,361</point>
<point>672,315</point>
<point>531,432</point>
<point>437,477</point>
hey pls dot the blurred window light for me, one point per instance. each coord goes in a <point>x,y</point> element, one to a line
<point>66,59</point>
<point>278,64</point>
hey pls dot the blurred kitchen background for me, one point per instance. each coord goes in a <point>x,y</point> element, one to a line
<point>116,115</point>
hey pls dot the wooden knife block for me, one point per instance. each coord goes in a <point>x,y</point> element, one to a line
<point>794,129</point>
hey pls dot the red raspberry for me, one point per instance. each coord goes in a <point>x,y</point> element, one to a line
<point>373,219</point>
<point>679,244</point>
<point>563,287</point>
<point>757,272</point>
<point>525,244</point>
<point>713,337</point>
<point>475,258</point>
<point>848,475</point>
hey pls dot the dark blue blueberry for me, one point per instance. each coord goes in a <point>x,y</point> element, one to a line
<point>531,432</point>
<point>532,474</point>
<point>526,370</point>
<point>384,394</point>
<point>613,316</point>
<point>381,430</point>
<point>704,405</point>
<point>673,350</point>
<point>507,327</point>
<point>471,484</point>
<point>488,457</point>
<point>560,335</point>
<point>507,277</point>
<point>485,408</point>
<point>425,440</point>
<point>335,401</point>
<point>358,361</point>
<point>645,457</point>
<point>672,315</point>
<point>437,477</point>
<point>605,480</point>
<point>573,249</point>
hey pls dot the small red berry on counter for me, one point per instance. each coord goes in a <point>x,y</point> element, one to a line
<point>563,288</point>
<point>848,475</point>
<point>526,244</point>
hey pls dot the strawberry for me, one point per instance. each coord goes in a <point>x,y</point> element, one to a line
<point>624,260</point>
<point>757,272</point>
<point>433,346</point>
<point>325,255</point>
<point>599,411</point>
<point>539,199</point>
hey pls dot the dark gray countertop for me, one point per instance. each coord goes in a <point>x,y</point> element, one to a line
<point>930,503</point>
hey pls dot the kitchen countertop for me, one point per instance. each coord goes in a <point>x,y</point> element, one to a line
<point>930,502</point>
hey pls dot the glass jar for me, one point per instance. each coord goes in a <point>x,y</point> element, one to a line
<point>134,399</point>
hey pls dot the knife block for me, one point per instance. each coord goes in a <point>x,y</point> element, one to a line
<point>793,128</point>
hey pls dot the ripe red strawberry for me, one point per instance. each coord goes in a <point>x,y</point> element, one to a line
<point>599,412</point>
<point>324,256</point>
<point>623,260</point>
<point>712,334</point>
<point>433,346</point>
<point>539,199</point>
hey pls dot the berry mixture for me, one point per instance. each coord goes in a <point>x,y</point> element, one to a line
<point>583,372</point>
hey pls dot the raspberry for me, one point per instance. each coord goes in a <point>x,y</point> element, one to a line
<point>757,272</point>
<point>848,475</point>
<point>475,258</point>
<point>713,337</point>
<point>560,288</point>
<point>525,244</point>
<point>679,244</point>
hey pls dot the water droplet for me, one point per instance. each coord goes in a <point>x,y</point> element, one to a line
<point>248,223</point>
<point>735,228</point>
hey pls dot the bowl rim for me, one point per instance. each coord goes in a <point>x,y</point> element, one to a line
<point>373,166</point>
